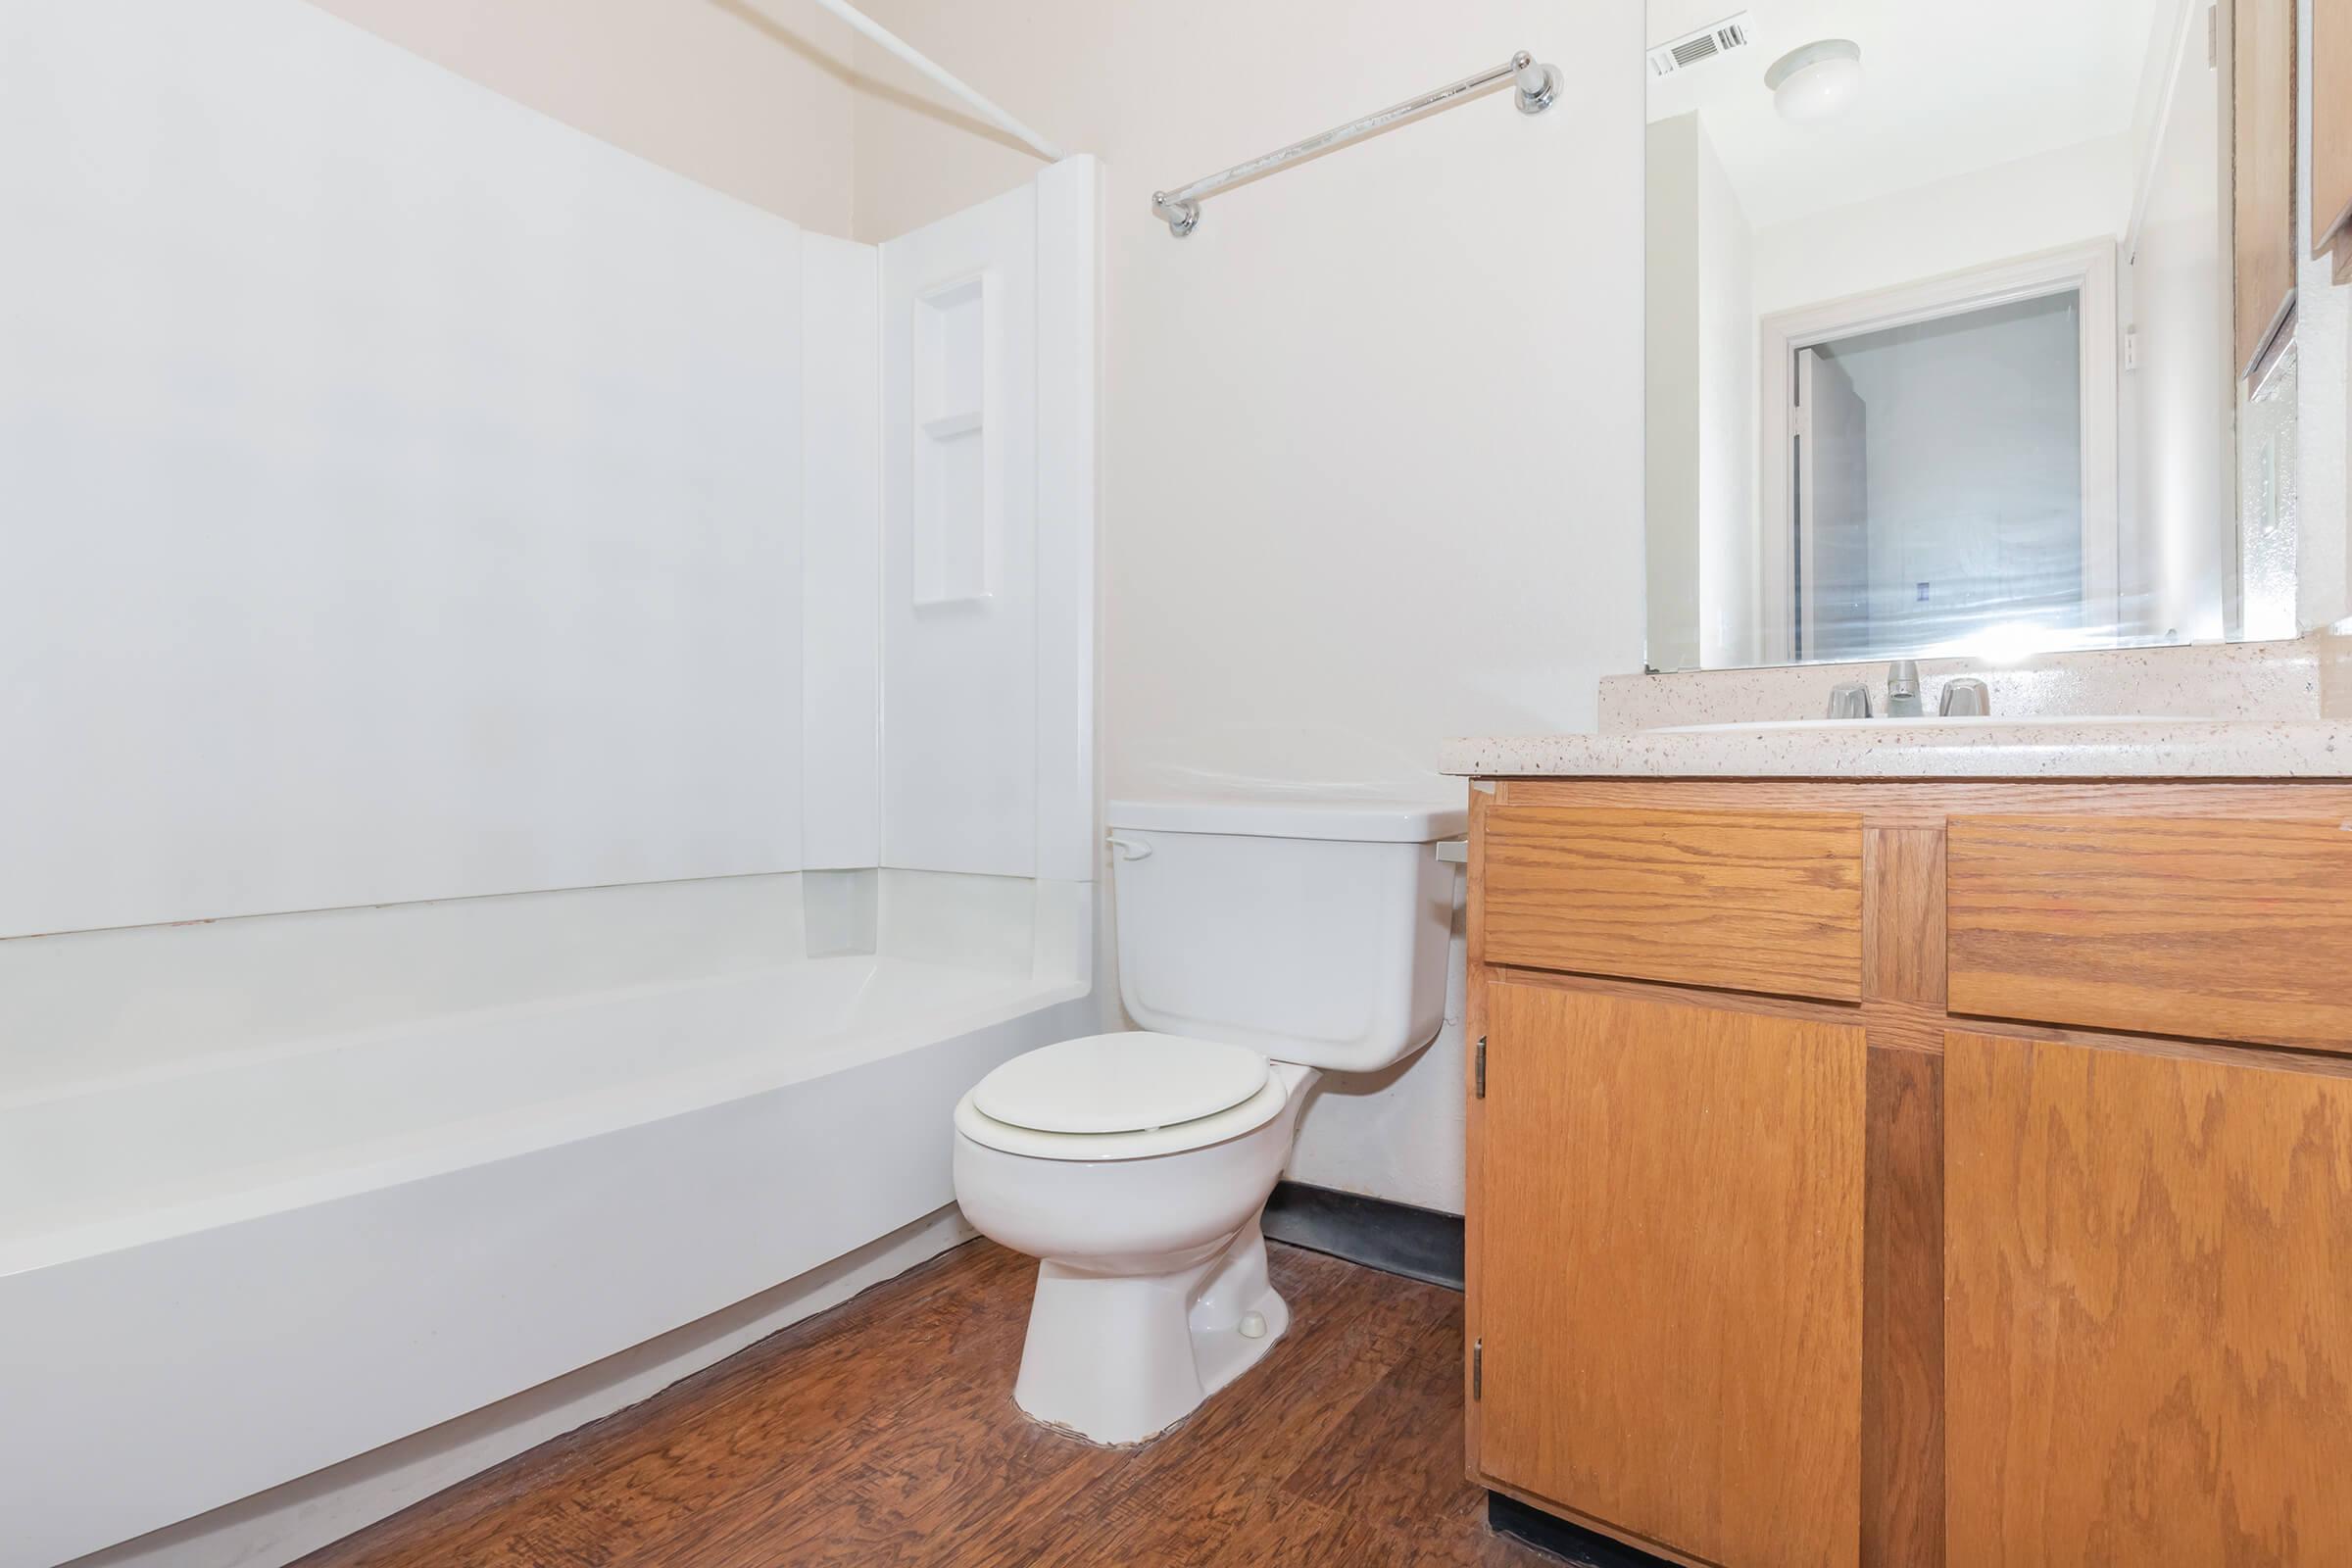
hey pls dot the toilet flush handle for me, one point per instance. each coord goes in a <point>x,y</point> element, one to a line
<point>1129,849</point>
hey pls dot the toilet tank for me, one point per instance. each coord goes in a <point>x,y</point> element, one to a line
<point>1316,933</point>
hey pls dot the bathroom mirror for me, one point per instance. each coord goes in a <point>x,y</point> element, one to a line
<point>1960,338</point>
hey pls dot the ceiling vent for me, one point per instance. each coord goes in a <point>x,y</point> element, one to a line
<point>1697,48</point>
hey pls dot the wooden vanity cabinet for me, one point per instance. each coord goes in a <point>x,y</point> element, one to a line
<point>1908,1173</point>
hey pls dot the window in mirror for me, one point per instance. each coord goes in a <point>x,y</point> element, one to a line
<point>1950,481</point>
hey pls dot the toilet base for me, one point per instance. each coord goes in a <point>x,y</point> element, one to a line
<point>1120,1358</point>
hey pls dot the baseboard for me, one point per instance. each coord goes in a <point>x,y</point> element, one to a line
<point>1396,1238</point>
<point>1572,1544</point>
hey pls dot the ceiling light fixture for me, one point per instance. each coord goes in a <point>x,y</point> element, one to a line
<point>1816,81</point>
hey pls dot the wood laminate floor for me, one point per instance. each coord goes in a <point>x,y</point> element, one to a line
<point>884,1432</point>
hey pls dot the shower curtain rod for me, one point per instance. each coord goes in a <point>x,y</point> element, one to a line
<point>906,51</point>
<point>1539,85</point>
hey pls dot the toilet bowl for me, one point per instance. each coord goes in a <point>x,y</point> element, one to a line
<point>1259,945</point>
<point>1152,1293</point>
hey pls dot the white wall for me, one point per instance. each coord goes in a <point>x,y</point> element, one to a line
<point>2035,203</point>
<point>1701,400</point>
<point>841,704</point>
<point>404,488</point>
<point>750,97</point>
<point>1372,459</point>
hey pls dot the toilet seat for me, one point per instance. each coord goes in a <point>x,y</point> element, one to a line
<point>1121,1096</point>
<point>1119,1083</point>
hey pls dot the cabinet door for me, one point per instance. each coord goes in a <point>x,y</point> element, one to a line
<point>1669,1285</point>
<point>2148,1266</point>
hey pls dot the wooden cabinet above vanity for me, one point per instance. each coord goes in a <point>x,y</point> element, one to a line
<point>1915,1172</point>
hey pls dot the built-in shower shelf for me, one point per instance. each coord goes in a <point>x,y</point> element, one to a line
<point>947,426</point>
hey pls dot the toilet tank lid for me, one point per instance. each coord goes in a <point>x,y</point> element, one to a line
<point>1356,821</point>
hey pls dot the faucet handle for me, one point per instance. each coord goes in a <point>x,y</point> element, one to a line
<point>1849,699</point>
<point>1965,696</point>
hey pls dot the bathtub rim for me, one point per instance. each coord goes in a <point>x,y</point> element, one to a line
<point>403,1159</point>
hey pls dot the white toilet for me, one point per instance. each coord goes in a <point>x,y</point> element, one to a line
<point>1259,943</point>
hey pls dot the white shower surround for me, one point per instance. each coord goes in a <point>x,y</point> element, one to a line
<point>288,1188</point>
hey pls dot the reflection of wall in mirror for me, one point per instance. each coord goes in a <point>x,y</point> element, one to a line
<point>2176,518</point>
<point>1701,408</point>
<point>1986,214</point>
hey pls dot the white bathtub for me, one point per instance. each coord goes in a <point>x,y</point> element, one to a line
<point>220,1274</point>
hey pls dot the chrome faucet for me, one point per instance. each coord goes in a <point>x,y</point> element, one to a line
<point>1902,690</point>
<point>1963,696</point>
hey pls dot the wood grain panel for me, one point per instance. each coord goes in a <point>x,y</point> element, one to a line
<point>2082,1229</point>
<point>1753,901</point>
<point>1686,1368</point>
<point>1903,915</point>
<point>1903,1312</point>
<point>2238,930</point>
<point>2286,1344</point>
<point>2146,1257</point>
<point>2262,172</point>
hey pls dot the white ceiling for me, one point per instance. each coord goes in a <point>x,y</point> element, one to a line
<point>1948,86</point>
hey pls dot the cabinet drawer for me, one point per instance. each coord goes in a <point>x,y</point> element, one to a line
<point>2209,927</point>
<point>1747,900</point>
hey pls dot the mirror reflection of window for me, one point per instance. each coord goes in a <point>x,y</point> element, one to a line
<point>1946,313</point>
<point>1961,504</point>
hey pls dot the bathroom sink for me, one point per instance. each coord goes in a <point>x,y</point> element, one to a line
<point>1981,721</point>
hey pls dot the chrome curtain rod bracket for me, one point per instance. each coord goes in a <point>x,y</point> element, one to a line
<point>1537,87</point>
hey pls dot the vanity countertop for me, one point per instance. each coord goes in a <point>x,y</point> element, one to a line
<point>1988,747</point>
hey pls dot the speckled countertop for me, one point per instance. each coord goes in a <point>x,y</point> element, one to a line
<point>2047,748</point>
